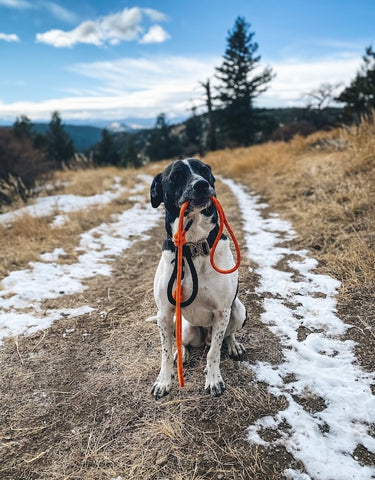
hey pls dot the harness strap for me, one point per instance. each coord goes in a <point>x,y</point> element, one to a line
<point>173,278</point>
<point>188,253</point>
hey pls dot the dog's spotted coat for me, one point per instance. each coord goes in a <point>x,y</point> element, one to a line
<point>216,311</point>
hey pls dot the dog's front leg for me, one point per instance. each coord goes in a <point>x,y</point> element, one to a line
<point>163,383</point>
<point>214,382</point>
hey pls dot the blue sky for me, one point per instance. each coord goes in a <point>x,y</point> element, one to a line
<point>117,60</point>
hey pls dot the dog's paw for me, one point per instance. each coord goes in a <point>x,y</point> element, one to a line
<point>162,386</point>
<point>235,350</point>
<point>215,388</point>
<point>161,389</point>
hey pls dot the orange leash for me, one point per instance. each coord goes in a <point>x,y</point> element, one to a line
<point>224,221</point>
<point>179,241</point>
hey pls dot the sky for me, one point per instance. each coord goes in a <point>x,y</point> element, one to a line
<point>96,61</point>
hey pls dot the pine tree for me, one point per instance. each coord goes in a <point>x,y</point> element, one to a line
<point>240,84</point>
<point>162,143</point>
<point>23,127</point>
<point>106,153</point>
<point>59,144</point>
<point>359,96</point>
<point>131,156</point>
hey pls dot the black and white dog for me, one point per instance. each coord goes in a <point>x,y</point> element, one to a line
<point>215,313</point>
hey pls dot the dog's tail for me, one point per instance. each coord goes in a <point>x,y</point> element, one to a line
<point>152,319</point>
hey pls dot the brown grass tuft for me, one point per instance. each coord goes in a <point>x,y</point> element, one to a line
<point>325,185</point>
<point>91,182</point>
<point>28,237</point>
<point>328,193</point>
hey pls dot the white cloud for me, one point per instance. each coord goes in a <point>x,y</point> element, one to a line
<point>20,4</point>
<point>154,15</point>
<point>86,32</point>
<point>139,88</point>
<point>59,12</point>
<point>156,34</point>
<point>55,9</point>
<point>144,87</point>
<point>124,26</point>
<point>11,37</point>
<point>294,78</point>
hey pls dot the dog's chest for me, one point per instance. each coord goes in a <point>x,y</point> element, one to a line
<point>215,291</point>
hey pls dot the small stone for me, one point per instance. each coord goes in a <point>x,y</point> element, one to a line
<point>162,460</point>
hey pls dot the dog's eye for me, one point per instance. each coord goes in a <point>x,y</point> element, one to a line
<point>205,172</point>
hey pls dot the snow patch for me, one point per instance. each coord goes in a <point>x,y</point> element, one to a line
<point>320,363</point>
<point>23,292</point>
<point>58,204</point>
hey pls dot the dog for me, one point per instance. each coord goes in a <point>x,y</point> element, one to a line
<point>215,313</point>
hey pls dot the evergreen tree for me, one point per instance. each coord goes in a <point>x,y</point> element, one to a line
<point>131,157</point>
<point>59,144</point>
<point>359,97</point>
<point>23,127</point>
<point>240,84</point>
<point>106,153</point>
<point>194,134</point>
<point>162,144</point>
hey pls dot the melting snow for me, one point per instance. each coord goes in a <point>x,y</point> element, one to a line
<point>45,206</point>
<point>23,291</point>
<point>321,365</point>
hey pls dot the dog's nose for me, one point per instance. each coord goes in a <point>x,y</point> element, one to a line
<point>201,186</point>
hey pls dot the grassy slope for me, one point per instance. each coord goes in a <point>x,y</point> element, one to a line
<point>325,185</point>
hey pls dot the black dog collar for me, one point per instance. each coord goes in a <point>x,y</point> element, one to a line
<point>192,249</point>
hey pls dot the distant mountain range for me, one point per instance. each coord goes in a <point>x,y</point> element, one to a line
<point>85,136</point>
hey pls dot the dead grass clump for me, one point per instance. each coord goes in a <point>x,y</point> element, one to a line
<point>90,182</point>
<point>20,242</point>
<point>361,148</point>
<point>28,237</point>
<point>327,191</point>
<point>328,195</point>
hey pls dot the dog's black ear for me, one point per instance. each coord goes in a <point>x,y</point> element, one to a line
<point>212,179</point>
<point>156,191</point>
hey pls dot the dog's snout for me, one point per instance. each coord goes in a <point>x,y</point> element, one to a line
<point>201,186</point>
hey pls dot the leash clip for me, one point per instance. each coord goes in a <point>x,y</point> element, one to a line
<point>199,248</point>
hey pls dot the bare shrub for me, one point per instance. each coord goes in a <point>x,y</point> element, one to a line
<point>20,165</point>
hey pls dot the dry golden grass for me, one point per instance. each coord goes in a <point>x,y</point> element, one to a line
<point>327,193</point>
<point>28,237</point>
<point>91,182</point>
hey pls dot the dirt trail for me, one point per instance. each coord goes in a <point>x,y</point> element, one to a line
<point>76,400</point>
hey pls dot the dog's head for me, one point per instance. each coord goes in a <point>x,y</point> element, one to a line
<point>183,181</point>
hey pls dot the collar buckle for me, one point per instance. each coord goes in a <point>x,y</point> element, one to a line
<point>200,248</point>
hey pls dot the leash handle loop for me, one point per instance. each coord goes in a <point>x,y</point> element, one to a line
<point>224,221</point>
